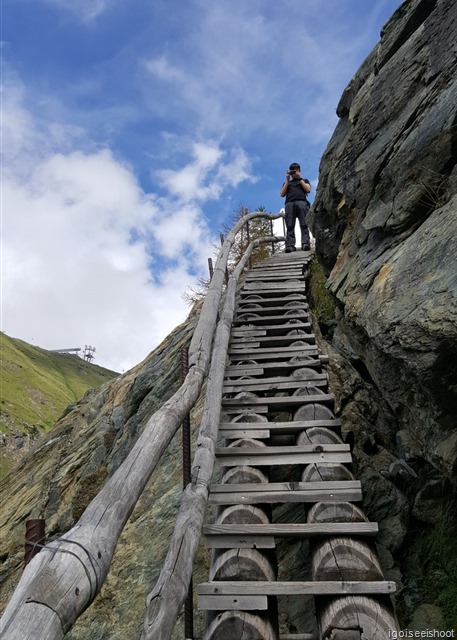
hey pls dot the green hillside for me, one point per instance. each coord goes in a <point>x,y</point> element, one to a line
<point>37,385</point>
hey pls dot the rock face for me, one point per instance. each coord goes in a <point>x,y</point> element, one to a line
<point>385,222</point>
<point>60,476</point>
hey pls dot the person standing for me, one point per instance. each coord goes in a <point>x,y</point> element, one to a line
<point>295,189</point>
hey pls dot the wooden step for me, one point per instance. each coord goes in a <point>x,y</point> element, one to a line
<point>216,595</point>
<point>270,301</point>
<point>271,320</point>
<point>251,536</point>
<point>282,492</point>
<point>264,368</point>
<point>274,275</point>
<point>266,288</point>
<point>269,352</point>
<point>274,456</point>
<point>287,401</point>
<point>273,330</point>
<point>265,385</point>
<point>277,341</point>
<point>281,428</point>
<point>265,311</point>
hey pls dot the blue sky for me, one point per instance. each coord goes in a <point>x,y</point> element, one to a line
<point>132,130</point>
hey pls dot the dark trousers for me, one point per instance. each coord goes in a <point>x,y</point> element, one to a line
<point>296,210</point>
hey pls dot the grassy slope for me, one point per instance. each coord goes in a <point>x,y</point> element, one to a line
<point>37,385</point>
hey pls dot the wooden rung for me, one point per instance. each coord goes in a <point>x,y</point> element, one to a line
<point>288,384</point>
<point>275,286</point>
<point>273,451</point>
<point>275,354</point>
<point>272,310</point>
<point>278,497</point>
<point>271,350</point>
<point>265,367</point>
<point>279,379</point>
<point>232,603</point>
<point>319,398</point>
<point>294,530</point>
<point>239,542</point>
<point>271,487</point>
<point>267,322</point>
<point>279,341</point>
<point>263,458</point>
<point>272,330</point>
<point>258,434</point>
<point>251,333</point>
<point>316,588</point>
<point>283,427</point>
<point>271,302</point>
<point>275,277</point>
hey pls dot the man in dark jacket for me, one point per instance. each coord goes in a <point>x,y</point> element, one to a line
<point>295,189</point>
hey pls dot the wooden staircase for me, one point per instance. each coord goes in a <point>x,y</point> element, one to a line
<point>277,414</point>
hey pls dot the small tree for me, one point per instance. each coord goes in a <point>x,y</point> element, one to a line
<point>254,229</point>
<point>257,228</point>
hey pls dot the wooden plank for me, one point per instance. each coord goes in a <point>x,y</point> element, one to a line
<point>290,384</point>
<point>295,530</point>
<point>282,427</point>
<point>277,497</point>
<point>308,350</point>
<point>265,286</point>
<point>278,308</point>
<point>240,333</point>
<point>232,603</point>
<point>270,301</point>
<point>275,341</point>
<point>275,329</point>
<point>270,320</point>
<point>231,434</point>
<point>260,451</point>
<point>266,460</point>
<point>285,351</point>
<point>274,276</point>
<point>239,541</point>
<point>274,289</point>
<point>316,377</point>
<point>320,588</point>
<point>260,408</point>
<point>271,487</point>
<point>287,401</point>
<point>265,368</point>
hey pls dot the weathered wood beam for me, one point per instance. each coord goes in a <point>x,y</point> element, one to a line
<point>317,588</point>
<point>293,530</point>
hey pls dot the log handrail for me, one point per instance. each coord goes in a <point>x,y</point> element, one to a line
<point>63,580</point>
<point>168,595</point>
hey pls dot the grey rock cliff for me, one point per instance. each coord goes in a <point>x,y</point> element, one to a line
<point>385,222</point>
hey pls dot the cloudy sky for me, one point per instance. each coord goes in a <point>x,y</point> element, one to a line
<point>131,131</point>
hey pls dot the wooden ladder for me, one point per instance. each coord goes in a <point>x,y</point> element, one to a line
<point>278,417</point>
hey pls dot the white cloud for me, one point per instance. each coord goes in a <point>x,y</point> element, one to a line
<point>78,234</point>
<point>83,10</point>
<point>210,171</point>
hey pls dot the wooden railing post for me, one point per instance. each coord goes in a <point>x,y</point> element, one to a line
<point>186,479</point>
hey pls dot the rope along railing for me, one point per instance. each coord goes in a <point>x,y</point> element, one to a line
<point>63,580</point>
